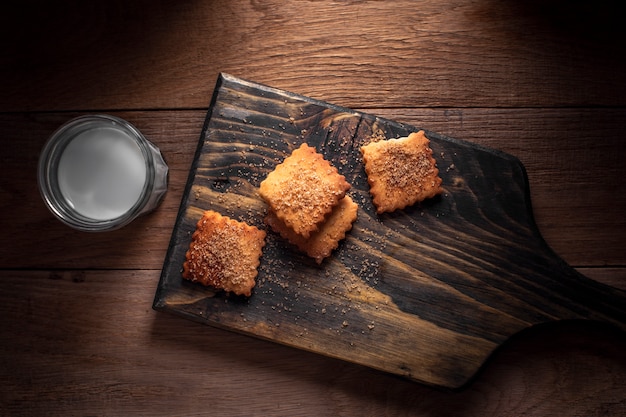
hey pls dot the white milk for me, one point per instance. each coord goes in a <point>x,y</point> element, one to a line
<point>102,173</point>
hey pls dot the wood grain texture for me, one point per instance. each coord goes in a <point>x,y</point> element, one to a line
<point>434,289</point>
<point>541,80</point>
<point>130,360</point>
<point>573,158</point>
<point>492,53</point>
<point>578,211</point>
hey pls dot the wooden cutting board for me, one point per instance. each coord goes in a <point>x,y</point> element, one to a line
<point>427,292</point>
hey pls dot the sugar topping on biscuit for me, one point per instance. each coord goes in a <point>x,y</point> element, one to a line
<point>401,172</point>
<point>322,242</point>
<point>224,254</point>
<point>303,190</point>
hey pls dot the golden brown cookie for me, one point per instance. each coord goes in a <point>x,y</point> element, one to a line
<point>303,190</point>
<point>401,172</point>
<point>321,243</point>
<point>224,254</point>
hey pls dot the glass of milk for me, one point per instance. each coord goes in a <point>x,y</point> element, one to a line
<point>99,173</point>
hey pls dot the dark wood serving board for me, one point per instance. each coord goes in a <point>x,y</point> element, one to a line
<point>427,292</point>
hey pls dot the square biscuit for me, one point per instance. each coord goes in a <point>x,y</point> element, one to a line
<point>224,254</point>
<point>401,172</point>
<point>321,243</point>
<point>303,189</point>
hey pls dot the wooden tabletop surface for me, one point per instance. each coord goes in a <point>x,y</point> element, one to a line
<point>542,80</point>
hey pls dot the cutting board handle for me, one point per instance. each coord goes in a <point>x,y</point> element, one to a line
<point>577,297</point>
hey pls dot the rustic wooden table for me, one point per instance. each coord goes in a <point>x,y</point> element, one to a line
<point>542,80</point>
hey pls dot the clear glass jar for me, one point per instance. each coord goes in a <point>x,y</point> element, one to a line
<point>98,173</point>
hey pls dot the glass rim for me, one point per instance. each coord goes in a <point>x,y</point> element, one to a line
<point>48,164</point>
